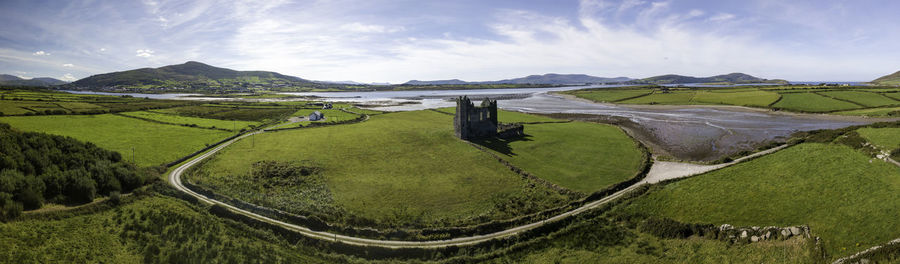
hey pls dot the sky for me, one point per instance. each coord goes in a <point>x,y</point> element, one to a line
<point>474,40</point>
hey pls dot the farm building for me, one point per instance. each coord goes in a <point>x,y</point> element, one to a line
<point>316,116</point>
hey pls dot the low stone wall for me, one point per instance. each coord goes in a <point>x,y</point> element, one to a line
<point>756,234</point>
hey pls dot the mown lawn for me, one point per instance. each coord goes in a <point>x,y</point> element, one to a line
<point>863,98</point>
<point>810,102</point>
<point>186,120</point>
<point>887,138</point>
<point>580,156</point>
<point>153,143</point>
<point>848,201</point>
<point>396,169</point>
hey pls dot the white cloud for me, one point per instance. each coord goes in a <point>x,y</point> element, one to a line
<point>370,28</point>
<point>695,13</point>
<point>41,53</point>
<point>68,65</point>
<point>102,49</point>
<point>68,77</point>
<point>722,17</point>
<point>144,53</point>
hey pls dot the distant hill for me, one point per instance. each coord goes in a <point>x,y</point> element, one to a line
<point>890,79</point>
<point>191,75</point>
<point>725,78</point>
<point>438,82</point>
<point>550,78</point>
<point>6,79</point>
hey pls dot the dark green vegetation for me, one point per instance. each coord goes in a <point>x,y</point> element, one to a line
<point>730,78</point>
<point>845,197</point>
<point>864,101</point>
<point>890,79</point>
<point>36,168</point>
<point>378,173</point>
<point>149,228</point>
<point>580,156</point>
<point>6,79</point>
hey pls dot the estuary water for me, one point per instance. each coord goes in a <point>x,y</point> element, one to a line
<point>696,133</point>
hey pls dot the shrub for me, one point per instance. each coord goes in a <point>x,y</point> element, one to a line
<point>9,209</point>
<point>668,228</point>
<point>115,198</point>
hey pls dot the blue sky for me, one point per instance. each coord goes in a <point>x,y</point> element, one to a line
<point>395,41</point>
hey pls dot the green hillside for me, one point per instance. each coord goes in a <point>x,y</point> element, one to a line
<point>891,79</point>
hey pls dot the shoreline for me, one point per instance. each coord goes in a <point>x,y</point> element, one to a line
<point>746,109</point>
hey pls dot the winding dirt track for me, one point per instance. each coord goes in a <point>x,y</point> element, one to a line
<point>175,180</point>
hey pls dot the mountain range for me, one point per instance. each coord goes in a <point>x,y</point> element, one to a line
<point>550,78</point>
<point>190,75</point>
<point>725,78</point>
<point>6,79</point>
<point>196,76</point>
<point>890,79</point>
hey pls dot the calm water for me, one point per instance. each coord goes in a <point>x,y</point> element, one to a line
<point>686,132</point>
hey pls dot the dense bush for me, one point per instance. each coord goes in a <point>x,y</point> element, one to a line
<point>37,167</point>
<point>668,228</point>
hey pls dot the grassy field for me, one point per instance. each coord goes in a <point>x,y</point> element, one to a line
<point>504,116</point>
<point>153,143</point>
<point>887,138</point>
<point>895,95</point>
<point>792,98</point>
<point>873,112</point>
<point>848,201</point>
<point>201,122</point>
<point>609,95</point>
<point>151,230</point>
<point>580,156</point>
<point>676,97</point>
<point>810,102</point>
<point>743,98</point>
<point>863,98</point>
<point>644,248</point>
<point>396,169</point>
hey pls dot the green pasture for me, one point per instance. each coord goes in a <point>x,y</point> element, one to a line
<point>888,138</point>
<point>504,116</point>
<point>810,102</point>
<point>755,98</point>
<point>872,112</point>
<point>863,98</point>
<point>672,98</point>
<point>153,143</point>
<point>895,95</point>
<point>580,156</point>
<point>200,122</point>
<point>396,169</point>
<point>844,198</point>
<point>609,95</point>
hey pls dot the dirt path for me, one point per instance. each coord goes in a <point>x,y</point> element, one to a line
<point>664,170</point>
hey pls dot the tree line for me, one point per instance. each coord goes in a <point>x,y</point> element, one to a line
<point>36,168</point>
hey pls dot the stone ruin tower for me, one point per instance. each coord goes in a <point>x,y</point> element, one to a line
<point>473,122</point>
